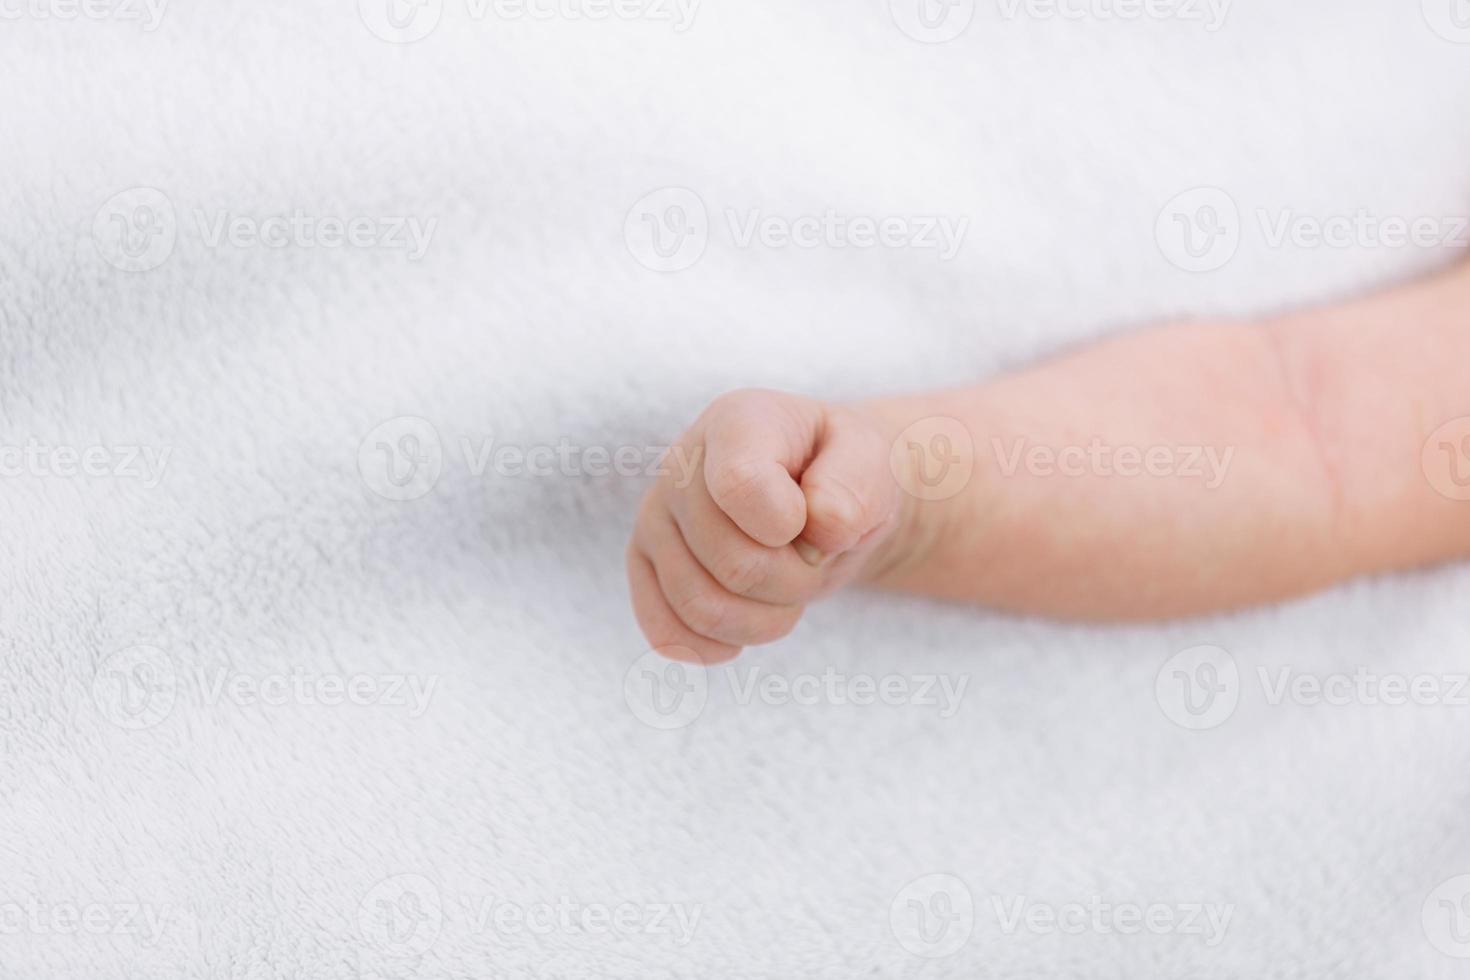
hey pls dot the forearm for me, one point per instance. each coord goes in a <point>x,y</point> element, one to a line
<point>1195,467</point>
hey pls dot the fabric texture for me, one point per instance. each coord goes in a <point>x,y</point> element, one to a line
<point>264,271</point>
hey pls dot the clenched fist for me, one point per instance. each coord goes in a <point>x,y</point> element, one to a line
<point>781,499</point>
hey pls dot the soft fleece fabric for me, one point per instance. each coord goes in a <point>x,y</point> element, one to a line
<point>256,834</point>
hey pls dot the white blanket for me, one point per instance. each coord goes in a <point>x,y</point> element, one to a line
<point>261,720</point>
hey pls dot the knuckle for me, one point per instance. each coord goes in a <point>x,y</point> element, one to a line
<point>735,479</point>
<point>843,508</point>
<point>703,612</point>
<point>743,570</point>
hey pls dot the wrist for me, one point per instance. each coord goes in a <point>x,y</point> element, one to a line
<point>931,461</point>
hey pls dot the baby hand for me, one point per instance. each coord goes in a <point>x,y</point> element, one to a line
<point>778,499</point>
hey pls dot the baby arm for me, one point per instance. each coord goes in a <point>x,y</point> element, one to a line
<point>1166,473</point>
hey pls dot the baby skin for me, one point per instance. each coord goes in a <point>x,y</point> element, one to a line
<point>1167,473</point>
